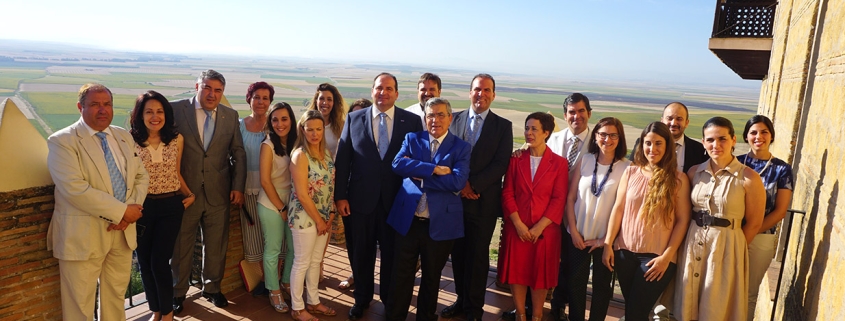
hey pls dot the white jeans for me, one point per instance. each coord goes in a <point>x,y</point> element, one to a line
<point>760,254</point>
<point>308,253</point>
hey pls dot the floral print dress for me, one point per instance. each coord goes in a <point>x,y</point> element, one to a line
<point>320,189</point>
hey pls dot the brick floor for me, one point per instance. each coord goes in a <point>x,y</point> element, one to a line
<point>244,306</point>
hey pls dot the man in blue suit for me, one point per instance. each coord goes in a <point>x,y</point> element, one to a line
<point>427,213</point>
<point>366,186</point>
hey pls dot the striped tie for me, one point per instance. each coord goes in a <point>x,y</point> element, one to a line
<point>118,184</point>
<point>423,205</point>
<point>573,151</point>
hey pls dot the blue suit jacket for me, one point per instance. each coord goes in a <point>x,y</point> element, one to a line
<point>361,176</point>
<point>444,204</point>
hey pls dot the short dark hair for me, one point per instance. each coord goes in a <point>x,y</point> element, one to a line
<point>680,104</point>
<point>256,86</point>
<point>483,76</point>
<point>719,121</point>
<point>621,145</point>
<point>136,119</point>
<point>395,83</point>
<point>575,98</point>
<point>91,88</point>
<point>758,119</point>
<point>547,121</point>
<point>363,103</point>
<point>430,77</point>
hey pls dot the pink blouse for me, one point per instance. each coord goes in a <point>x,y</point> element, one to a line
<point>634,235</point>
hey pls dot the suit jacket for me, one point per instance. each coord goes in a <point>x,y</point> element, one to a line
<point>694,153</point>
<point>222,168</point>
<point>362,177</point>
<point>444,203</point>
<point>488,162</point>
<point>544,196</point>
<point>85,203</point>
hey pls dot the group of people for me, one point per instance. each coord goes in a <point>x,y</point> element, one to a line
<point>677,223</point>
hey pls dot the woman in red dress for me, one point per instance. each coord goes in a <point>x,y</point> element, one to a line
<point>533,199</point>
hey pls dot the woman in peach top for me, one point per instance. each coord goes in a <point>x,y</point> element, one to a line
<point>650,217</point>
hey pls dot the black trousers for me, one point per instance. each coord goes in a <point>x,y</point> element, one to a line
<point>471,263</point>
<point>640,295</point>
<point>347,234</point>
<point>578,276</point>
<point>369,230</point>
<point>157,232</point>
<point>433,255</point>
<point>560,297</point>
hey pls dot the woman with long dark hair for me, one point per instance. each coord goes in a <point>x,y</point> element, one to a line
<point>648,222</point>
<point>273,200</point>
<point>712,282</point>
<point>159,146</point>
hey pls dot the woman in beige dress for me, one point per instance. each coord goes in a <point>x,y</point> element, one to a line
<point>712,280</point>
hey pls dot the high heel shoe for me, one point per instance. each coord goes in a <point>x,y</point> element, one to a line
<point>280,307</point>
<point>520,317</point>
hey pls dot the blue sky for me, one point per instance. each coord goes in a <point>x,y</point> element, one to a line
<point>657,41</point>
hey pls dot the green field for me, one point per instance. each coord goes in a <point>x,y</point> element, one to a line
<point>115,80</point>
<point>9,77</point>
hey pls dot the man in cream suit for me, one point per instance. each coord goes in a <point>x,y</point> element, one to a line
<point>100,184</point>
<point>214,167</point>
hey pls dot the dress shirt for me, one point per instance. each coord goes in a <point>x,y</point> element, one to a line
<point>201,117</point>
<point>418,110</point>
<point>114,147</point>
<point>431,139</point>
<point>567,142</point>
<point>389,120</point>
<point>470,117</point>
<point>680,151</point>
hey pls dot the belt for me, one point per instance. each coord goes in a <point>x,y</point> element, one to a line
<point>163,195</point>
<point>420,218</point>
<point>704,219</point>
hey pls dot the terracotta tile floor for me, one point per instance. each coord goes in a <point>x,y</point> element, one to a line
<point>244,306</point>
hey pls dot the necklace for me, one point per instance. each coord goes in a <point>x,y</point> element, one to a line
<point>768,162</point>
<point>597,190</point>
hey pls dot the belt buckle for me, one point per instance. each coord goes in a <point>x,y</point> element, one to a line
<point>706,219</point>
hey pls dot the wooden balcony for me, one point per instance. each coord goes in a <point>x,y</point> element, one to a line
<point>742,36</point>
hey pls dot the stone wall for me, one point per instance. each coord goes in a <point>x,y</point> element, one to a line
<point>29,275</point>
<point>804,93</point>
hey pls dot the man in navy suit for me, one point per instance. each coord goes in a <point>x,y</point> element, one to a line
<point>491,137</point>
<point>427,213</point>
<point>366,186</point>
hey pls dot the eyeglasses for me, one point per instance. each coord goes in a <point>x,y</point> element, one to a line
<point>439,116</point>
<point>605,136</point>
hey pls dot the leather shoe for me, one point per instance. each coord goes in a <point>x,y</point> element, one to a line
<point>559,314</point>
<point>451,311</point>
<point>511,315</point>
<point>217,298</point>
<point>178,304</point>
<point>357,311</point>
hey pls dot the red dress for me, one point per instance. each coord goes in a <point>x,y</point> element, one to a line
<point>526,263</point>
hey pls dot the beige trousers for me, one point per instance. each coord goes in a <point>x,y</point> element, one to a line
<point>79,283</point>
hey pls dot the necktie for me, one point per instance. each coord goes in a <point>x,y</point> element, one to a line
<point>473,129</point>
<point>118,184</point>
<point>573,151</point>
<point>423,205</point>
<point>383,140</point>
<point>677,148</point>
<point>207,129</point>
